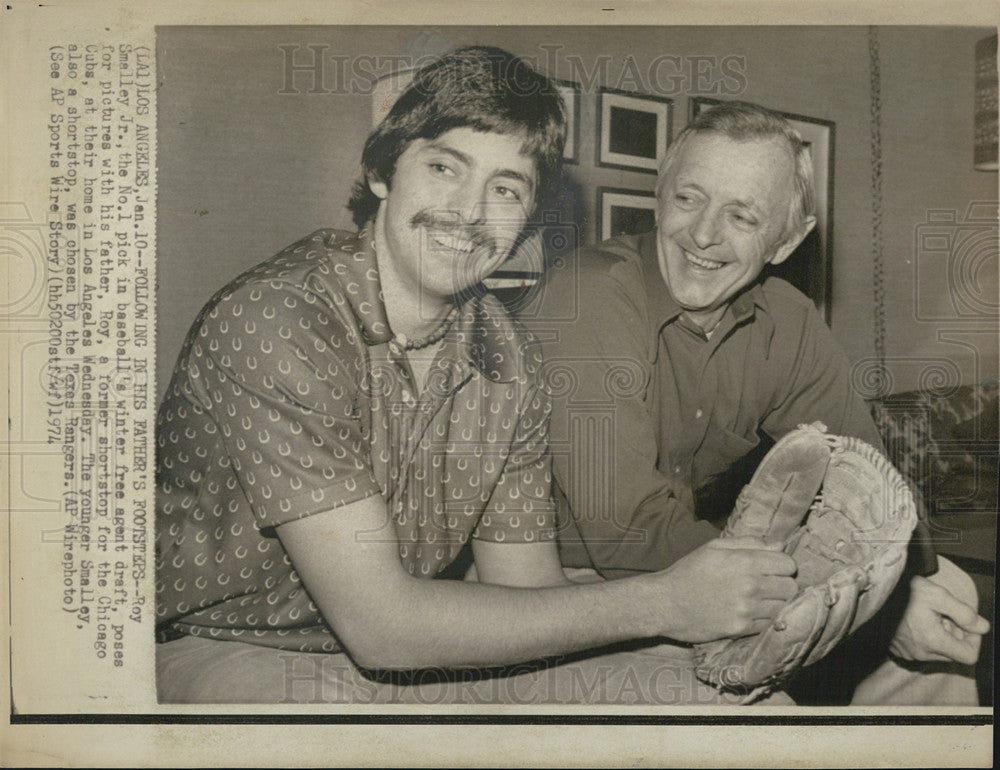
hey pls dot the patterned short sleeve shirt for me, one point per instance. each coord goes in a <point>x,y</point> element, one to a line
<point>290,398</point>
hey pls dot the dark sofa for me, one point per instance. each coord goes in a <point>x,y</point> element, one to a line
<point>946,442</point>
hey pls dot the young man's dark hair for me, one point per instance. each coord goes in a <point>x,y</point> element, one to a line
<point>478,87</point>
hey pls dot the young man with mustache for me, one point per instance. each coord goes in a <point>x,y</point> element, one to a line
<point>346,416</point>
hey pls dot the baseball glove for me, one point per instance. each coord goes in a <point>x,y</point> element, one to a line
<point>845,515</point>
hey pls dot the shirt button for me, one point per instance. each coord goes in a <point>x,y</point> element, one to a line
<point>677,470</point>
<point>698,413</point>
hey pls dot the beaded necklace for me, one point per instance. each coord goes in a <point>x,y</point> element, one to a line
<point>422,342</point>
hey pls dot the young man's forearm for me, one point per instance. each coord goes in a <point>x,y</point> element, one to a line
<point>461,624</point>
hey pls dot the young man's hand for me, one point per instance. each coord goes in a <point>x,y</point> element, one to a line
<point>727,588</point>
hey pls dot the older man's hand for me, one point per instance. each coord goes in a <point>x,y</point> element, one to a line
<point>938,625</point>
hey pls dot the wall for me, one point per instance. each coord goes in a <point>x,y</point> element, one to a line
<point>245,170</point>
<point>939,300</point>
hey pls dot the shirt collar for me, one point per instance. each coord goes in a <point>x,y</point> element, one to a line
<point>484,333</point>
<point>356,272</point>
<point>491,340</point>
<point>663,308</point>
<point>744,309</point>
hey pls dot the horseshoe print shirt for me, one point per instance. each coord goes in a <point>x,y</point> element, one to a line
<point>291,398</point>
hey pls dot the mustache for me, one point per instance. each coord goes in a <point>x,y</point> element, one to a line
<point>446,220</point>
<point>451,222</point>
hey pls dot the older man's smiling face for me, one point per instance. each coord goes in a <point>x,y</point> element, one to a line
<point>723,211</point>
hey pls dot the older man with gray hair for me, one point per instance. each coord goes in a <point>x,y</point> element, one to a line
<point>718,363</point>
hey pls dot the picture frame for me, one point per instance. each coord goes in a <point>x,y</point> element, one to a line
<point>624,212</point>
<point>570,92</point>
<point>810,267</point>
<point>633,130</point>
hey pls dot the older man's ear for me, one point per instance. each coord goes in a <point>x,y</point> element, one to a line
<point>791,243</point>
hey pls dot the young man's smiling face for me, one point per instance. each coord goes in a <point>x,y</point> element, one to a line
<point>454,210</point>
<point>723,213</point>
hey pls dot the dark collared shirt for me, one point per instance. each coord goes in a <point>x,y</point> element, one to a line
<point>291,398</point>
<point>655,427</point>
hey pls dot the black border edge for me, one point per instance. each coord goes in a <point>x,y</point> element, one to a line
<point>504,719</point>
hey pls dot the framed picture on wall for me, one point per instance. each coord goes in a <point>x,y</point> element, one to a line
<point>633,130</point>
<point>570,93</point>
<point>624,212</point>
<point>809,269</point>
